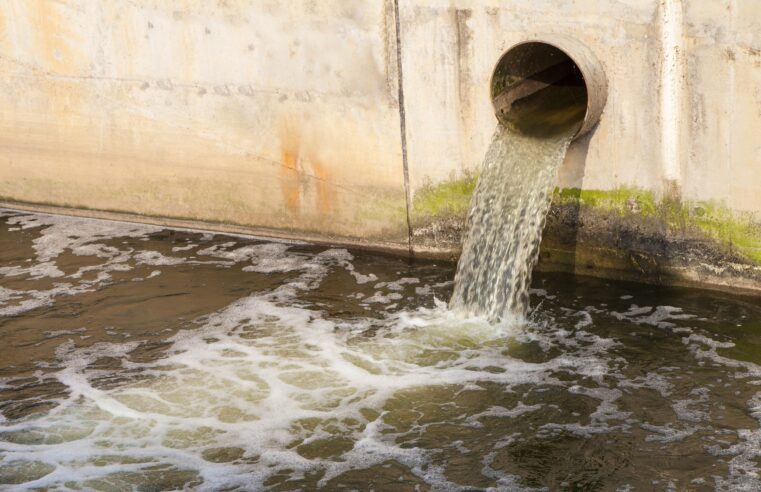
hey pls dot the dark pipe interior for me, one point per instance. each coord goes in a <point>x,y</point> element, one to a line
<point>539,91</point>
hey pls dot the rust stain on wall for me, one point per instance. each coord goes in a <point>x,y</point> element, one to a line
<point>187,47</point>
<point>305,180</point>
<point>290,173</point>
<point>52,37</point>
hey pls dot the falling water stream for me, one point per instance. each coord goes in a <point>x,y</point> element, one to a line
<point>542,101</point>
<point>506,222</point>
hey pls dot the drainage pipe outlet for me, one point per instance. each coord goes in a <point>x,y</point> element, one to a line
<point>549,86</point>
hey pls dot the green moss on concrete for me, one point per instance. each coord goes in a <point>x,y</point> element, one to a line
<point>622,201</point>
<point>450,198</point>
<point>738,232</point>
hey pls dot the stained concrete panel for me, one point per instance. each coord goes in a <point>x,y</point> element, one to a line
<point>281,115</point>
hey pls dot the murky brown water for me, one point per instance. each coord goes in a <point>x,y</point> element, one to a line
<point>139,358</point>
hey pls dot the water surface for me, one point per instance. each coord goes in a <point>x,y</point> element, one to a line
<point>140,358</point>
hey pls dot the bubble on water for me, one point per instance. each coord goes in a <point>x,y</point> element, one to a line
<point>154,258</point>
<point>250,377</point>
<point>60,233</point>
<point>273,388</point>
<point>660,317</point>
<point>187,247</point>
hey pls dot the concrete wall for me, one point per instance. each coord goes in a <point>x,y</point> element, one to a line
<point>451,49</point>
<point>286,116</point>
<point>272,114</point>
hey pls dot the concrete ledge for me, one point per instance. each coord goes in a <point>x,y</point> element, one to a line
<point>622,250</point>
<point>216,227</point>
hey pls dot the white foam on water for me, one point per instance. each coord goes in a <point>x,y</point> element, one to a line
<point>503,412</point>
<point>61,233</point>
<point>83,237</point>
<point>380,298</point>
<point>683,408</point>
<point>397,285</point>
<point>269,376</point>
<point>651,380</point>
<point>743,465</point>
<point>659,317</point>
<point>244,253</point>
<point>423,291</point>
<point>18,302</point>
<point>187,247</point>
<point>667,434</point>
<point>56,235</point>
<point>154,258</point>
<point>46,269</point>
<point>251,376</point>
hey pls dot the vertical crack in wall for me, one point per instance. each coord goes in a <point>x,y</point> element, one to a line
<point>403,124</point>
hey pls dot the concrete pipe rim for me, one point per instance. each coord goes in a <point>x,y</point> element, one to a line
<point>590,71</point>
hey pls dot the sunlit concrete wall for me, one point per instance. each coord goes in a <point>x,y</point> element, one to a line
<point>722,111</point>
<point>270,114</point>
<point>450,49</point>
<point>667,188</point>
<point>288,116</point>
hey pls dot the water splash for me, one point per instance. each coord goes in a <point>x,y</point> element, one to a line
<point>505,223</point>
<point>247,365</point>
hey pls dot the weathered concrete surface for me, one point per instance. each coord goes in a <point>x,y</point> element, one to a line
<point>281,115</point>
<point>627,234</point>
<point>681,126</point>
<point>285,117</point>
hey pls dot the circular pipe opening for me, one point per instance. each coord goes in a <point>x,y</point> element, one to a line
<point>547,88</point>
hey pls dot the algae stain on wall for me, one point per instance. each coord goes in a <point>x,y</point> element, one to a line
<point>440,211</point>
<point>736,232</point>
<point>740,231</point>
<point>447,199</point>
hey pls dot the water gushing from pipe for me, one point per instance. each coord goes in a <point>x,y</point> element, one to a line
<point>506,222</point>
<point>541,98</point>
